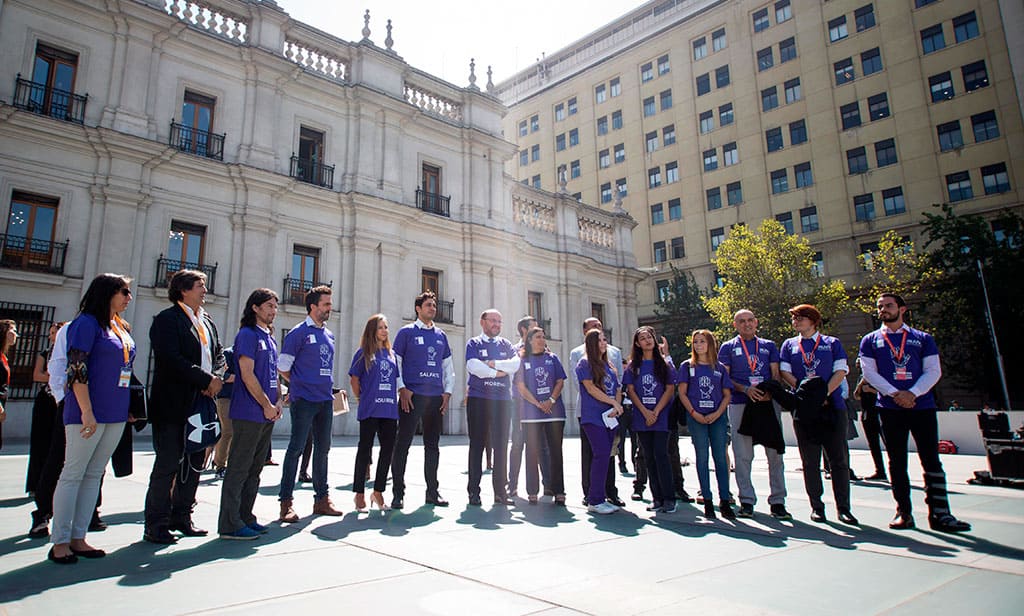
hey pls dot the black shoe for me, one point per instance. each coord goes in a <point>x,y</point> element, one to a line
<point>97,525</point>
<point>622,468</point>
<point>305,478</point>
<point>746,511</point>
<point>654,506</point>
<point>637,496</point>
<point>818,515</point>
<point>585,502</point>
<point>878,476</point>
<point>218,473</point>
<point>503,500</point>
<point>40,526</point>
<point>188,529</point>
<point>683,496</point>
<point>618,502</point>
<point>946,523</point>
<point>726,510</point>
<point>847,518</point>
<point>853,476</point>
<point>94,553</point>
<point>779,513</point>
<point>436,500</point>
<point>902,521</point>
<point>161,536</point>
<point>709,510</point>
<point>68,559</point>
<point>475,501</point>
<point>397,502</point>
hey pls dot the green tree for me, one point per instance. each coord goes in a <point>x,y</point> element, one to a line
<point>681,310</point>
<point>895,267</point>
<point>769,272</point>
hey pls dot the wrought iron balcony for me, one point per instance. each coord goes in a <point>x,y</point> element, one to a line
<point>445,311</point>
<point>312,172</point>
<point>295,290</point>
<point>433,203</point>
<point>17,252</point>
<point>165,268</point>
<point>198,142</point>
<point>545,324</point>
<point>49,101</point>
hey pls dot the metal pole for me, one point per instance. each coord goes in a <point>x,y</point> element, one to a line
<point>995,341</point>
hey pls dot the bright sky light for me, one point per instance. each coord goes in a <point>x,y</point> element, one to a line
<point>441,37</point>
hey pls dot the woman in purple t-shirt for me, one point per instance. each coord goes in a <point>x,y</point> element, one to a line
<point>705,389</point>
<point>539,382</point>
<point>600,397</point>
<point>374,380</point>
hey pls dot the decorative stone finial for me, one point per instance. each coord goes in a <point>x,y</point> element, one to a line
<point>366,26</point>
<point>562,179</point>
<point>490,82</point>
<point>472,74</point>
<point>389,42</point>
<point>618,203</point>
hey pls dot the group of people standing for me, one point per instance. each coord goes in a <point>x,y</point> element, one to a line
<point>735,391</point>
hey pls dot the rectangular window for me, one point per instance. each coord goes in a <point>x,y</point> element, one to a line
<point>850,115</point>
<point>710,159</point>
<point>665,100</point>
<point>783,11</point>
<point>700,48</point>
<point>574,170</point>
<point>718,41</point>
<point>975,75</point>
<point>885,152</point>
<point>668,134</point>
<point>606,192</point>
<point>649,108</point>
<point>892,201</point>
<point>560,142</point>
<point>536,181</point>
<point>30,230</point>
<point>941,86</point>
<point>809,219</point>
<point>818,265</point>
<point>932,39</point>
<point>522,129</point>
<point>603,159</point>
<point>572,106</point>
<point>995,179</point>
<point>725,114</point>
<point>620,186</point>
<point>615,87</point>
<point>675,209</point>
<point>792,90</point>
<point>574,137</point>
<point>616,120</point>
<point>559,112</point>
<point>186,245</point>
<point>671,172</point>
<point>857,160</point>
<point>535,305</point>
<point>620,153</point>
<point>703,84</point>
<point>602,125</point>
<point>871,61</point>
<point>765,60</point>
<point>730,155</point>
<point>773,138</point>
<point>734,191</point>
<point>787,50</point>
<point>534,123</point>
<point>950,137</point>
<point>600,94</point>
<point>678,250</point>
<point>844,71</point>
<point>663,65</point>
<point>797,132</point>
<point>780,182</point>
<point>985,126</point>
<point>654,177</point>
<point>761,20</point>
<point>959,186</point>
<point>837,29</point>
<point>769,98</point>
<point>646,72</point>
<point>864,17</point>
<point>657,214</point>
<point>717,237</point>
<point>803,176</point>
<point>651,140</point>
<point>197,112</point>
<point>430,280</point>
<point>660,254</point>
<point>920,3</point>
<point>786,220</point>
<point>965,27</point>
<point>662,291</point>
<point>524,158</point>
<point>707,122</point>
<point>722,76</point>
<point>864,207</point>
<point>534,153</point>
<point>305,272</point>
<point>878,106</point>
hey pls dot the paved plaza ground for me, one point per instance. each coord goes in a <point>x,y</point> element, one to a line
<point>525,559</point>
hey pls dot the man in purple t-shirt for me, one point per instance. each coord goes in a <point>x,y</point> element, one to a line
<point>902,363</point>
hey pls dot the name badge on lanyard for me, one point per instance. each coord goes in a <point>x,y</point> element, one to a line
<point>125,379</point>
<point>902,374</point>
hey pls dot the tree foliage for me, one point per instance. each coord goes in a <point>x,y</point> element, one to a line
<point>682,310</point>
<point>896,267</point>
<point>769,272</point>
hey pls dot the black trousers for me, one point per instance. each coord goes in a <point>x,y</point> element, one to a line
<point>44,413</point>
<point>428,410</point>
<point>897,426</point>
<point>544,439</point>
<point>655,450</point>
<point>386,431</point>
<point>833,442</point>
<point>586,456</point>
<point>174,478</point>
<point>675,461</point>
<point>488,418</point>
<point>871,421</point>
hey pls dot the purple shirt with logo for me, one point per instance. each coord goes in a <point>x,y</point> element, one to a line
<point>488,349</point>
<point>591,408</point>
<point>903,373</point>
<point>649,389</point>
<point>762,352</point>
<point>704,385</point>
<point>260,347</point>
<point>312,372</point>
<point>106,360</point>
<point>423,352</point>
<point>540,373</point>
<point>378,386</point>
<point>820,361</point>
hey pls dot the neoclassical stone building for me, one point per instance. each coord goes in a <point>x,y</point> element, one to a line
<point>143,136</point>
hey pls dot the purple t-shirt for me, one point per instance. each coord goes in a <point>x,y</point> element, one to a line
<point>312,372</point>
<point>540,373</point>
<point>498,388</point>
<point>258,345</point>
<point>904,372</point>
<point>814,361</point>
<point>590,408</point>
<point>378,386</point>
<point>704,385</point>
<point>106,360</point>
<point>649,389</point>
<point>737,355</point>
<point>423,352</point>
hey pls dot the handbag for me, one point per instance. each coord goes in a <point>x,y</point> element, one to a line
<point>137,405</point>
<point>202,429</point>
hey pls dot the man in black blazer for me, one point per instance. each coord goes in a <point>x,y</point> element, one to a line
<point>188,362</point>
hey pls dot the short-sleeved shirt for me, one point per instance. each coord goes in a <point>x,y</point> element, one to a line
<point>540,373</point>
<point>591,408</point>
<point>904,372</point>
<point>705,384</point>
<point>423,351</point>
<point>488,349</point>
<point>738,355</point>
<point>821,360</point>
<point>649,389</point>
<point>311,377</point>
<point>378,385</point>
<point>260,347</point>
<point>106,360</point>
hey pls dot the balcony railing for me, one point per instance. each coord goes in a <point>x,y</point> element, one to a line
<point>312,172</point>
<point>445,311</point>
<point>165,268</point>
<point>295,290</point>
<point>198,142</point>
<point>23,253</point>
<point>48,101</point>
<point>545,324</point>
<point>433,203</point>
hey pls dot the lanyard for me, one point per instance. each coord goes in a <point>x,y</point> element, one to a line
<point>808,357</point>
<point>196,323</point>
<point>751,361</point>
<point>120,328</point>
<point>897,355</point>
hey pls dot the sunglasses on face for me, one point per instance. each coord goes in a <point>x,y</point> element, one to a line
<point>126,292</point>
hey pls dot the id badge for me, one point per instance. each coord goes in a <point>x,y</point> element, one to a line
<point>707,404</point>
<point>125,379</point>
<point>809,374</point>
<point>902,374</point>
<point>755,380</point>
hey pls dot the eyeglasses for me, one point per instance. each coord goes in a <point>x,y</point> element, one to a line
<point>125,291</point>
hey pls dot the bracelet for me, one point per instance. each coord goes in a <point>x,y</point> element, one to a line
<point>551,400</point>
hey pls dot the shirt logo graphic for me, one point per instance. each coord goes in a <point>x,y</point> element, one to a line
<point>386,370</point>
<point>542,375</point>
<point>705,387</point>
<point>325,356</point>
<point>609,385</point>
<point>647,384</point>
<point>431,354</point>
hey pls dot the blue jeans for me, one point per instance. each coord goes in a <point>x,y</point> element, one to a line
<point>305,415</point>
<point>716,435</point>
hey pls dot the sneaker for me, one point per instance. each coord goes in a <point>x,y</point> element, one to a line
<point>636,496</point>
<point>602,508</point>
<point>242,534</point>
<point>260,528</point>
<point>779,513</point>
<point>746,511</point>
<point>668,507</point>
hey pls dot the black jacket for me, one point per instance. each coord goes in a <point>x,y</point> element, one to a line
<point>177,358</point>
<point>761,424</point>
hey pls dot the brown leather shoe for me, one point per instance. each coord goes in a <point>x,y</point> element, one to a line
<point>288,514</point>
<point>323,506</point>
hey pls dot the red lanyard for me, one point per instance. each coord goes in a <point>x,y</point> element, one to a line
<point>808,357</point>
<point>120,328</point>
<point>751,361</point>
<point>7,368</point>
<point>897,355</point>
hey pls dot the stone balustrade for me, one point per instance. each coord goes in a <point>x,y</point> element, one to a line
<point>533,214</point>
<point>596,232</point>
<point>426,98</point>
<point>316,60</point>
<point>213,19</point>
